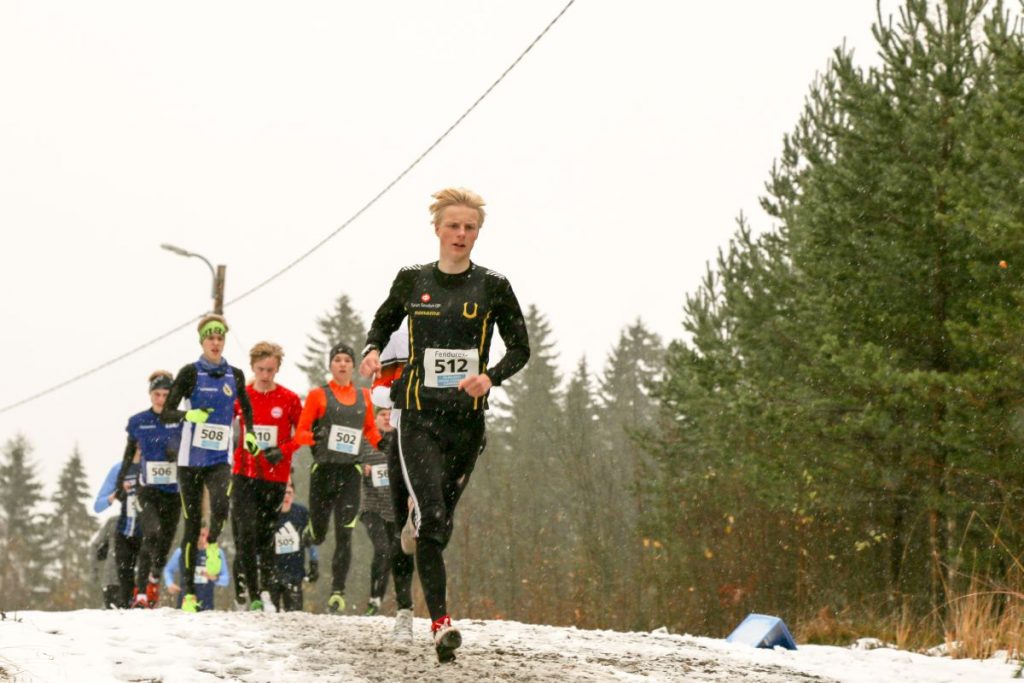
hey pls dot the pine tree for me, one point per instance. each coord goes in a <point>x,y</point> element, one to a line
<point>21,529</point>
<point>70,528</point>
<point>342,324</point>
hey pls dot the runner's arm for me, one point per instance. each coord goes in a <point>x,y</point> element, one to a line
<point>243,400</point>
<point>126,461</point>
<point>184,384</point>
<point>316,404</point>
<point>512,327</point>
<point>390,314</point>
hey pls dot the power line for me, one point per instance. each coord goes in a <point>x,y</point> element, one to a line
<point>318,245</point>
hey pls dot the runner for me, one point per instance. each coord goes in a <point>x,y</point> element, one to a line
<point>452,307</point>
<point>335,420</point>
<point>209,387</point>
<point>377,513</point>
<point>128,537</point>
<point>203,582</point>
<point>289,542</point>
<point>258,483</point>
<point>104,563</point>
<point>403,545</point>
<point>156,444</point>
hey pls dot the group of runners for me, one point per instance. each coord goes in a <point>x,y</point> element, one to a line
<point>401,468</point>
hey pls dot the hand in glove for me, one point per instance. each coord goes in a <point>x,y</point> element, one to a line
<point>321,434</point>
<point>198,415</point>
<point>314,571</point>
<point>273,455</point>
<point>251,444</point>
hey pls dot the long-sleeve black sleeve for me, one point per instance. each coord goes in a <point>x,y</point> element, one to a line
<point>512,328</point>
<point>243,399</point>
<point>184,384</point>
<point>126,461</point>
<point>391,313</point>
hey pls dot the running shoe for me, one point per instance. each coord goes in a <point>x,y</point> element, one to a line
<point>139,601</point>
<point>213,561</point>
<point>373,608</point>
<point>336,603</point>
<point>256,605</point>
<point>403,625</point>
<point>268,602</point>
<point>409,536</point>
<point>190,603</point>
<point>153,592</point>
<point>446,639</point>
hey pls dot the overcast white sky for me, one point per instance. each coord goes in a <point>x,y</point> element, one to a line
<point>614,160</point>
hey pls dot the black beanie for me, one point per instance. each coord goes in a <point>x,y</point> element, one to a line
<point>341,347</point>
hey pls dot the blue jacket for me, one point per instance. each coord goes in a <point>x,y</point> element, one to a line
<point>289,544</point>
<point>157,442</point>
<point>127,521</point>
<point>204,588</point>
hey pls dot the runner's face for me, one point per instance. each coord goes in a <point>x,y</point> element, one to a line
<point>457,232</point>
<point>384,420</point>
<point>213,347</point>
<point>341,368</point>
<point>265,370</point>
<point>289,498</point>
<point>204,535</point>
<point>158,397</point>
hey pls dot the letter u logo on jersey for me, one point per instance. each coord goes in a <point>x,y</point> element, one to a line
<point>465,310</point>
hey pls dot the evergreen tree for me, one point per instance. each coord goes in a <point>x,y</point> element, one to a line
<point>342,324</point>
<point>852,382</point>
<point>70,528</point>
<point>21,529</point>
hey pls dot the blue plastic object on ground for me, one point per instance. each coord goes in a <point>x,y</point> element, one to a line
<point>762,630</point>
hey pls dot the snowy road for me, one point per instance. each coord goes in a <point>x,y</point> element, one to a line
<point>171,647</point>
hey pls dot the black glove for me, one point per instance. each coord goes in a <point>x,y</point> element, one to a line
<point>314,571</point>
<point>120,494</point>
<point>321,434</point>
<point>273,455</point>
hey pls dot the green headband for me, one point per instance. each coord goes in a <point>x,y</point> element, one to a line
<point>212,327</point>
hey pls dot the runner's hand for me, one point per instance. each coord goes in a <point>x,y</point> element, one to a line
<point>371,364</point>
<point>476,386</point>
<point>251,444</point>
<point>198,415</point>
<point>273,455</point>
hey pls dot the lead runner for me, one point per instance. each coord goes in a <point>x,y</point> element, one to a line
<point>451,307</point>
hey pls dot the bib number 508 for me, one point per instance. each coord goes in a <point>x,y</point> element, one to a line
<point>208,434</point>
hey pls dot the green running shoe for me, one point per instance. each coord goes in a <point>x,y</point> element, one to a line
<point>213,561</point>
<point>256,605</point>
<point>190,603</point>
<point>336,603</point>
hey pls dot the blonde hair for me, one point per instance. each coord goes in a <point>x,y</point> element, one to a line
<point>456,196</point>
<point>266,349</point>
<point>160,373</point>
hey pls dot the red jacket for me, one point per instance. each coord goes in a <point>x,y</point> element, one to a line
<point>279,408</point>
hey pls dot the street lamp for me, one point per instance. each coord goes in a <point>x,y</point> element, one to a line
<point>217,275</point>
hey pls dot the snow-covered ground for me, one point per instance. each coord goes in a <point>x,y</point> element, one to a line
<point>171,647</point>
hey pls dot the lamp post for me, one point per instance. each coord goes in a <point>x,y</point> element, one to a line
<point>218,275</point>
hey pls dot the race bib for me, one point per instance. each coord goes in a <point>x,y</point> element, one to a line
<point>266,436</point>
<point>286,540</point>
<point>344,439</point>
<point>161,472</point>
<point>379,475</point>
<point>201,575</point>
<point>131,505</point>
<point>212,437</point>
<point>445,368</point>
